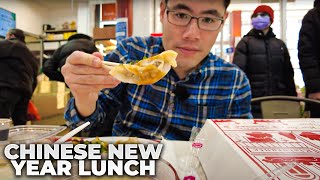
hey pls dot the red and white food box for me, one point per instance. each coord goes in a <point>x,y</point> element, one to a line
<point>258,149</point>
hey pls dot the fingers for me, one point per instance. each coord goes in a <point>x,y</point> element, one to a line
<point>85,74</point>
<point>99,55</point>
<point>83,69</point>
<point>106,80</point>
<point>82,89</point>
<point>82,58</point>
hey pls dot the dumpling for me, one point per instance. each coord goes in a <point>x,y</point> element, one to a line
<point>146,71</point>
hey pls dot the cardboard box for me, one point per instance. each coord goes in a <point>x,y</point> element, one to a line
<point>51,104</point>
<point>50,87</point>
<point>108,32</point>
<point>51,98</point>
<point>247,149</point>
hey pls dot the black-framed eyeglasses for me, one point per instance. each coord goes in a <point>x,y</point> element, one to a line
<point>204,23</point>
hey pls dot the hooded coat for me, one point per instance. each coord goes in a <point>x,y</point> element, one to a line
<point>52,67</point>
<point>309,49</point>
<point>266,61</point>
<point>18,67</point>
<point>309,54</point>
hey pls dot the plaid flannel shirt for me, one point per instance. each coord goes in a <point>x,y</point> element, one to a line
<point>216,90</point>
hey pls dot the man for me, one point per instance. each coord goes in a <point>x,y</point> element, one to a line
<point>202,86</point>
<point>309,56</point>
<point>18,77</point>
<point>76,42</point>
<point>265,59</point>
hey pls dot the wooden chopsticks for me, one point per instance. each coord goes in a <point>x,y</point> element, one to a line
<point>109,64</point>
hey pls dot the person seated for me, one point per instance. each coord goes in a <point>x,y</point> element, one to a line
<point>202,86</point>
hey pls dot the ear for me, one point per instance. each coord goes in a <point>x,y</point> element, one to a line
<point>162,10</point>
<point>225,16</point>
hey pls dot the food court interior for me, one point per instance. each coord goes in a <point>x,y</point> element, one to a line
<point>49,23</point>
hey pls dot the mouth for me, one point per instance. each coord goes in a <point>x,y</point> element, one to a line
<point>188,50</point>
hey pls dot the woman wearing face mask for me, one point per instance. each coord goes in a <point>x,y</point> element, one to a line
<point>265,59</point>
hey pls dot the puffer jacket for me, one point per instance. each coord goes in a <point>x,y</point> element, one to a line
<point>266,61</point>
<point>52,66</point>
<point>18,67</point>
<point>309,49</point>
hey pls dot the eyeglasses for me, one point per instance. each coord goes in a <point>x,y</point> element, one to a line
<point>204,23</point>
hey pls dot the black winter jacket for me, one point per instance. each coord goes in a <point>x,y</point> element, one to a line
<point>52,66</point>
<point>309,50</point>
<point>18,67</point>
<point>266,61</point>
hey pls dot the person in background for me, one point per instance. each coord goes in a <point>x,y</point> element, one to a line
<point>201,87</point>
<point>265,59</point>
<point>18,77</point>
<point>76,42</point>
<point>309,56</point>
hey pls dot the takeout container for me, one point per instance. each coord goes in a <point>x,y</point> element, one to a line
<point>250,149</point>
<point>5,124</point>
<point>26,134</point>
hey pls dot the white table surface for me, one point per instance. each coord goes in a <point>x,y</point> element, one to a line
<point>175,152</point>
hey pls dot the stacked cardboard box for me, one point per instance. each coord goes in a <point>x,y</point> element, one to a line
<point>50,97</point>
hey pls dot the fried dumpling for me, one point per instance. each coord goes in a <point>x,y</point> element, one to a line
<point>146,71</point>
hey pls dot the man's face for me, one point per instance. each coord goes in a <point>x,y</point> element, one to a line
<point>191,43</point>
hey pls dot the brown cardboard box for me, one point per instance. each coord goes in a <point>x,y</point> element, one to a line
<point>51,98</point>
<point>50,87</point>
<point>51,104</point>
<point>104,33</point>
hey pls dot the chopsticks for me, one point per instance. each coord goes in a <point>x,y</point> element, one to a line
<point>109,65</point>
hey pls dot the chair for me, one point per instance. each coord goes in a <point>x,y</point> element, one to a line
<point>279,107</point>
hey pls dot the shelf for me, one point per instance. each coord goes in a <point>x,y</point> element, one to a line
<point>102,39</point>
<point>33,42</point>
<point>107,23</point>
<point>55,40</point>
<point>60,31</point>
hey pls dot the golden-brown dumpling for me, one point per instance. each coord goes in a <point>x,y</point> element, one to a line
<point>146,71</point>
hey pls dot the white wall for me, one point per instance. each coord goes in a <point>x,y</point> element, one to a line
<point>84,18</point>
<point>61,12</point>
<point>143,17</point>
<point>30,15</point>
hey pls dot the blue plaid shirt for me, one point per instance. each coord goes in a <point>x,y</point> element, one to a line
<point>216,90</point>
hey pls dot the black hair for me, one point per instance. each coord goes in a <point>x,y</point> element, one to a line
<point>226,3</point>
<point>18,34</point>
<point>316,3</point>
<point>80,36</point>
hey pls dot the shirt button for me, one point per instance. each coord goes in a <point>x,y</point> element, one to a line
<point>171,106</point>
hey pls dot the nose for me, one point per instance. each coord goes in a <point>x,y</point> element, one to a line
<point>192,31</point>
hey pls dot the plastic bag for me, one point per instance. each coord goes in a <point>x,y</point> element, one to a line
<point>33,113</point>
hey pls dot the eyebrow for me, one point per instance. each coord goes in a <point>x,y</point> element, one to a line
<point>184,7</point>
<point>212,12</point>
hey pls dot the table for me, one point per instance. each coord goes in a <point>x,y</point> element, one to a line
<point>175,152</point>
<point>249,149</point>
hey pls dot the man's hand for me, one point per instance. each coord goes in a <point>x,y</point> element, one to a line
<point>314,96</point>
<point>86,76</point>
